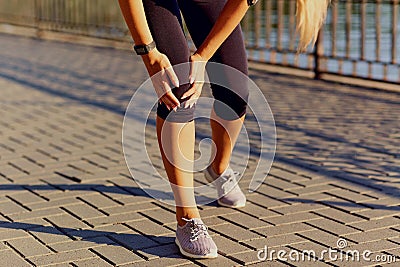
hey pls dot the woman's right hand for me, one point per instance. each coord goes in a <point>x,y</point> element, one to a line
<point>165,80</point>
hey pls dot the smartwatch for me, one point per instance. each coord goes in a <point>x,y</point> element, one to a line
<point>251,2</point>
<point>144,49</point>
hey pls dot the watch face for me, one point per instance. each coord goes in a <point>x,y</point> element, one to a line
<point>144,49</point>
<point>141,50</point>
<point>251,2</point>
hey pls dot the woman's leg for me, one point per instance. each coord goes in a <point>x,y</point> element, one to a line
<point>176,139</point>
<point>224,135</point>
<point>200,16</point>
<point>176,142</point>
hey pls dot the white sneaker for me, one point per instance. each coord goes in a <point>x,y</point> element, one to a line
<point>194,241</point>
<point>229,193</point>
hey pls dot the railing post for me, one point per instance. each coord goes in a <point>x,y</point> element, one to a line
<point>318,50</point>
<point>37,13</point>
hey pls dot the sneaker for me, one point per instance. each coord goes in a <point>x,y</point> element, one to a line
<point>229,193</point>
<point>194,241</point>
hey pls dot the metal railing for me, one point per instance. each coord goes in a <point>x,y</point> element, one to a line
<point>359,39</point>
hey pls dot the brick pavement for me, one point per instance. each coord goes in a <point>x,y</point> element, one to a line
<point>67,199</point>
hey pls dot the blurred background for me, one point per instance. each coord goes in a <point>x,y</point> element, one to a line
<point>359,40</point>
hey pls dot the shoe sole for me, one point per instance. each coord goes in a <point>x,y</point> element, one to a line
<point>230,206</point>
<point>210,180</point>
<point>194,256</point>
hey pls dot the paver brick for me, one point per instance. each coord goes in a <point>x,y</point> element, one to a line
<point>272,192</point>
<point>379,246</point>
<point>339,216</point>
<point>220,261</point>
<point>161,215</point>
<point>265,201</point>
<point>99,201</point>
<point>284,229</point>
<point>29,247</point>
<point>49,235</point>
<point>10,232</point>
<point>116,219</point>
<point>117,255</point>
<point>228,247</point>
<point>10,258</point>
<point>292,218</point>
<point>258,211</point>
<point>313,189</point>
<point>351,196</point>
<point>10,207</point>
<point>275,241</point>
<point>93,262</point>
<point>333,227</point>
<point>158,251</point>
<point>373,214</point>
<point>36,214</point>
<point>84,211</point>
<point>82,244</point>
<point>235,232</point>
<point>373,235</point>
<point>62,257</point>
<point>377,224</point>
<point>27,198</point>
<point>171,260</point>
<point>245,221</point>
<point>321,237</point>
<point>148,227</point>
<point>246,258</point>
<point>138,241</point>
<point>66,220</point>
<point>297,208</point>
<point>60,202</point>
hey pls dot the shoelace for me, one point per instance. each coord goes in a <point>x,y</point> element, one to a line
<point>197,230</point>
<point>229,181</point>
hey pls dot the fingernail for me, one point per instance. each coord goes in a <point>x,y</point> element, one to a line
<point>175,108</point>
<point>191,80</point>
<point>183,97</point>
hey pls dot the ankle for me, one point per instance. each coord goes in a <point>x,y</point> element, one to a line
<point>187,213</point>
<point>218,169</point>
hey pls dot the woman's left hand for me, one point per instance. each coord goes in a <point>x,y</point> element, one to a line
<point>196,80</point>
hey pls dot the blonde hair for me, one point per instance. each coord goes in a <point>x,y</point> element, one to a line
<point>310,15</point>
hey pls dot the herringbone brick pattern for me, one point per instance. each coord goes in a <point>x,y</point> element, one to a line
<point>67,198</point>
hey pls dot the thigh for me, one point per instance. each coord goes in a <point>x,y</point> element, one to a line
<point>165,23</point>
<point>200,16</point>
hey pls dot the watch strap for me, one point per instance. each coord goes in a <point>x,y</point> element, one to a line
<point>145,48</point>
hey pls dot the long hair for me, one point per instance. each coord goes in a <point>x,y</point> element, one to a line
<point>310,16</point>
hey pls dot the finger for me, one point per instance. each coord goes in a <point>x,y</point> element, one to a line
<point>173,100</point>
<point>193,71</point>
<point>165,98</point>
<point>189,92</point>
<point>194,97</point>
<point>167,103</point>
<point>158,87</point>
<point>172,76</point>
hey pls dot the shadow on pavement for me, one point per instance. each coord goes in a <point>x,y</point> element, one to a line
<point>147,244</point>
